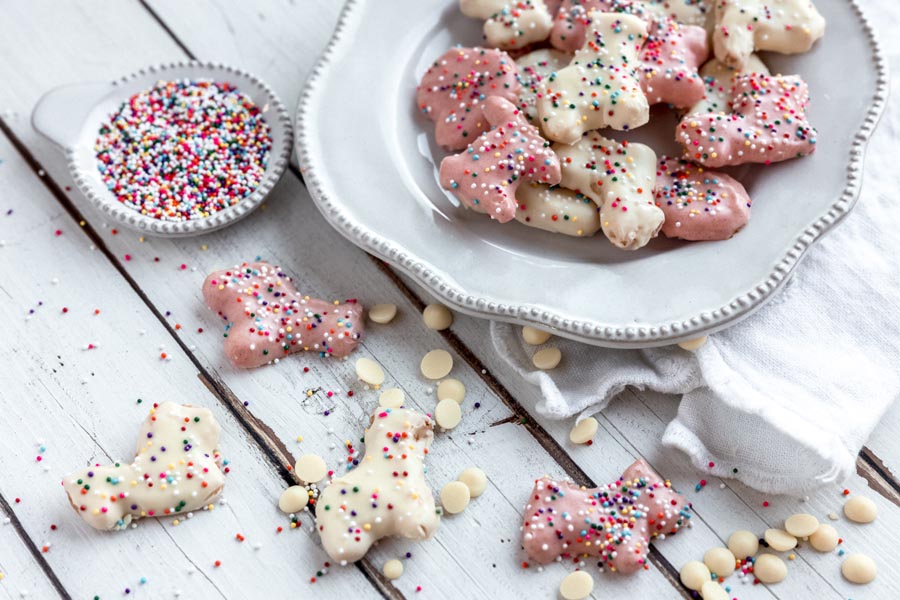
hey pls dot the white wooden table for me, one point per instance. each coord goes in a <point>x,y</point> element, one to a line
<point>85,405</point>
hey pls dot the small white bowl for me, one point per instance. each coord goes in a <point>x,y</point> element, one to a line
<point>70,116</point>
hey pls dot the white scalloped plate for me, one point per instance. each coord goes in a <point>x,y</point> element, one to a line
<point>369,161</point>
<point>70,116</point>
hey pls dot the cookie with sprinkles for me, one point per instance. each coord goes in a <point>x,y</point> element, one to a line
<point>619,177</point>
<point>386,495</point>
<point>670,60</point>
<point>557,210</point>
<point>719,81</point>
<point>176,470</point>
<point>699,204</point>
<point>184,150</point>
<point>455,86</point>
<point>613,523</point>
<point>534,69</point>
<point>487,174</point>
<point>599,88</point>
<point>510,24</point>
<point>266,318</point>
<point>766,123</point>
<point>747,26</point>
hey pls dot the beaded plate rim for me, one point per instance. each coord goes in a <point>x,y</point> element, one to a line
<point>279,159</point>
<point>592,332</point>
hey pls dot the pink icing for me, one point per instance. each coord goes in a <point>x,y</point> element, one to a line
<point>454,87</point>
<point>699,204</point>
<point>670,59</point>
<point>613,523</point>
<point>268,319</point>
<point>486,175</point>
<point>767,124</point>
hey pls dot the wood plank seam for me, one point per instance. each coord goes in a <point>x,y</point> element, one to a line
<point>520,413</point>
<point>272,447</point>
<point>17,526</point>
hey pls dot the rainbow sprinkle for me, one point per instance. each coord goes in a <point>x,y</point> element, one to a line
<point>184,150</point>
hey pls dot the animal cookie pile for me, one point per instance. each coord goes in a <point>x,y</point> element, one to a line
<point>527,129</point>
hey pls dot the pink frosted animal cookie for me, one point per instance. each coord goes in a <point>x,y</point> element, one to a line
<point>485,177</point>
<point>175,471</point>
<point>745,26</point>
<point>267,318</point>
<point>699,204</point>
<point>613,523</point>
<point>669,62</point>
<point>767,123</point>
<point>599,88</point>
<point>454,87</point>
<point>510,24</point>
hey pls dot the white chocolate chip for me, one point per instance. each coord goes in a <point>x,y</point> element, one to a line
<point>859,568</point>
<point>547,358</point>
<point>860,509</point>
<point>576,586</point>
<point>801,525</point>
<point>711,590</point>
<point>719,561</point>
<point>455,497</point>
<point>310,468</point>
<point>584,431</point>
<point>475,480</point>
<point>743,544</point>
<point>437,317</point>
<point>768,568</point>
<point>392,398</point>
<point>369,371</point>
<point>533,336</point>
<point>693,344</point>
<point>437,364</point>
<point>383,313</point>
<point>393,569</point>
<point>694,574</point>
<point>451,388</point>
<point>293,499</point>
<point>825,538</point>
<point>447,413</point>
<point>780,540</point>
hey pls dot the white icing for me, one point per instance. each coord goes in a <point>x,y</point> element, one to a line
<point>386,494</point>
<point>719,80</point>
<point>744,26</point>
<point>620,179</point>
<point>558,210</point>
<point>599,88</point>
<point>510,24</point>
<point>175,471</point>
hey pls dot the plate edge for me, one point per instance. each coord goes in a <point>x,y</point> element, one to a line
<point>591,332</point>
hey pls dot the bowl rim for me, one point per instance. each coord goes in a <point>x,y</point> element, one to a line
<point>438,282</point>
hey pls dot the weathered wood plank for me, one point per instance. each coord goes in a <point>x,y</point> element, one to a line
<point>292,233</point>
<point>20,573</point>
<point>81,405</point>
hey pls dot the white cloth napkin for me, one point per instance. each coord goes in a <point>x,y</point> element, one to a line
<point>790,395</point>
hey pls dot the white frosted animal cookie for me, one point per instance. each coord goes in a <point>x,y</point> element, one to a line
<point>175,471</point>
<point>620,179</point>
<point>745,26</point>
<point>599,88</point>
<point>533,70</point>
<point>719,80</point>
<point>557,209</point>
<point>510,24</point>
<point>386,494</point>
